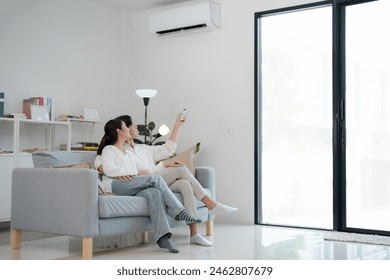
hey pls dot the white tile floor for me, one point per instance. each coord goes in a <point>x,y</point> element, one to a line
<point>231,242</point>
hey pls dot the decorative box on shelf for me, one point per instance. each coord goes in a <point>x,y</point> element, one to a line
<point>81,146</point>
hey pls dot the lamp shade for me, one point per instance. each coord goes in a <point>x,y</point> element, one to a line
<point>163,130</point>
<point>146,93</point>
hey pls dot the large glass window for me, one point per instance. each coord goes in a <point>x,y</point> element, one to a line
<point>296,118</point>
<point>368,115</point>
<point>323,157</point>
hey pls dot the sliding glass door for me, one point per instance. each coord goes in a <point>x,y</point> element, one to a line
<point>367,102</point>
<point>323,116</point>
<point>295,116</point>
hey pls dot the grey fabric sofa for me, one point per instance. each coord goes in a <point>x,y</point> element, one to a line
<point>65,201</point>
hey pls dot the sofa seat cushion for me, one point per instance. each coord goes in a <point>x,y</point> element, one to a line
<point>112,206</point>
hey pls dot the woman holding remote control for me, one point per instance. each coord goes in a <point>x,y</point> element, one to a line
<point>175,173</point>
<point>117,163</point>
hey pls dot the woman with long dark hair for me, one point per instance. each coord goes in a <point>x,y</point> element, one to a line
<point>175,174</point>
<point>117,162</point>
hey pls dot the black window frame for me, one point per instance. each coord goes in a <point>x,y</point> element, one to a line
<point>338,101</point>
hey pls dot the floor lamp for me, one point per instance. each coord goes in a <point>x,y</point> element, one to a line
<point>146,94</point>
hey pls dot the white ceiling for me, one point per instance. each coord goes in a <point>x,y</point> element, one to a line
<point>130,5</point>
<point>136,5</point>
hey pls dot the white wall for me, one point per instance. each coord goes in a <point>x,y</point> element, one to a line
<point>69,50</point>
<point>212,74</point>
<point>83,54</point>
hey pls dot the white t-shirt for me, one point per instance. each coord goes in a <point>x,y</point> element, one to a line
<point>146,156</point>
<point>116,163</point>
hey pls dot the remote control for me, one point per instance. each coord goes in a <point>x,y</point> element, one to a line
<point>183,114</point>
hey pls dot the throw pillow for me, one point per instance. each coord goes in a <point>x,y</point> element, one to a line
<point>60,158</point>
<point>188,157</point>
<point>85,164</point>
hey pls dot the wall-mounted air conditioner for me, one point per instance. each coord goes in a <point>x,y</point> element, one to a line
<point>186,18</point>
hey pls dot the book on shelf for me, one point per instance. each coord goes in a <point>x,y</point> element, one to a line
<point>90,146</point>
<point>40,101</point>
<point>68,117</point>
<point>73,147</point>
<point>81,146</point>
<point>15,116</point>
<point>18,116</point>
<point>90,149</point>
<point>27,106</point>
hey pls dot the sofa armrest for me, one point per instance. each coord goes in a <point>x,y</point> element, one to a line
<point>60,201</point>
<point>206,177</point>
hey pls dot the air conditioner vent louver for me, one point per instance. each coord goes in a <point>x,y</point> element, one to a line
<point>192,27</point>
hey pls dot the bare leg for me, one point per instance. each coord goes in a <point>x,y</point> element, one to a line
<point>193,229</point>
<point>209,202</point>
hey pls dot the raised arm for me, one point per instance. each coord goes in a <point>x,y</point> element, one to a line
<point>176,127</point>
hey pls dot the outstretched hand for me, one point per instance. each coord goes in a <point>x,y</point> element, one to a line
<point>124,178</point>
<point>180,120</point>
<point>173,163</point>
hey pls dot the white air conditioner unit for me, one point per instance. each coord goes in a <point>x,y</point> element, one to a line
<point>186,18</point>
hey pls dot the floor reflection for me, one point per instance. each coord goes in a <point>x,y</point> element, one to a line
<point>231,242</point>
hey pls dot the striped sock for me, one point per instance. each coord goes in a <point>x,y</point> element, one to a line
<point>165,243</point>
<point>186,216</point>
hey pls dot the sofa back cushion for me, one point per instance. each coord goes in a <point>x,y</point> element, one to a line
<point>60,158</point>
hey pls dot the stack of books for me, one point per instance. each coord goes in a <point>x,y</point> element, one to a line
<point>15,116</point>
<point>89,146</point>
<point>69,117</point>
<point>39,101</point>
<point>81,146</point>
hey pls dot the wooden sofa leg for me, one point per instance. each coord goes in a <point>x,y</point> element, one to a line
<point>87,248</point>
<point>144,237</point>
<point>16,237</point>
<point>210,227</point>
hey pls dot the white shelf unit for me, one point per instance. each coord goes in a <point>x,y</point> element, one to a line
<point>18,134</point>
<point>11,132</point>
<point>7,164</point>
<point>7,136</point>
<point>81,124</point>
<point>25,130</point>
